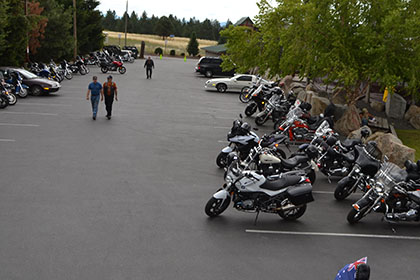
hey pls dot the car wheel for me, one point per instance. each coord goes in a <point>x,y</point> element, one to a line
<point>36,90</point>
<point>221,88</point>
<point>208,74</point>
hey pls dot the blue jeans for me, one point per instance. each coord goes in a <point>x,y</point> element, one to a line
<point>95,101</point>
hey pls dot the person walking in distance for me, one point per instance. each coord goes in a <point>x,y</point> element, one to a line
<point>149,65</point>
<point>95,90</point>
<point>110,91</point>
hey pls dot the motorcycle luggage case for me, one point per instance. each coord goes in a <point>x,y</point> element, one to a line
<point>300,194</point>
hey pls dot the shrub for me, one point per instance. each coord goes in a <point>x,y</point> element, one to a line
<point>158,51</point>
<point>172,52</point>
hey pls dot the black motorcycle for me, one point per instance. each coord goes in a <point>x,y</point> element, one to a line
<point>389,193</point>
<point>366,165</point>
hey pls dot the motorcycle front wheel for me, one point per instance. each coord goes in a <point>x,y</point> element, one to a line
<point>122,70</point>
<point>4,102</point>
<point>245,96</point>
<point>292,214</point>
<point>215,207</point>
<point>221,160</point>
<point>354,216</point>
<point>82,71</point>
<point>260,120</point>
<point>12,99</point>
<point>343,189</point>
<point>251,109</point>
<point>68,75</point>
<point>23,93</point>
<point>104,69</point>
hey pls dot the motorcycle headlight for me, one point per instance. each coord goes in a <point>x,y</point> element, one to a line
<point>229,179</point>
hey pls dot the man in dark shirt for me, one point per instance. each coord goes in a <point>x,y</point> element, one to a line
<point>149,65</point>
<point>110,90</point>
<point>95,90</point>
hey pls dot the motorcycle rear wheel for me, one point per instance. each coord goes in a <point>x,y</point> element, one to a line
<point>215,207</point>
<point>4,102</point>
<point>293,214</point>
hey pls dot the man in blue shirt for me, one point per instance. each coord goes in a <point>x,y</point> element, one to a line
<point>95,90</point>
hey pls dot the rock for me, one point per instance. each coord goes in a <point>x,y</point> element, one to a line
<point>415,121</point>
<point>357,134</point>
<point>298,79</point>
<point>349,122</point>
<point>318,105</point>
<point>301,95</point>
<point>294,86</point>
<point>310,87</point>
<point>392,147</point>
<point>375,136</point>
<point>340,109</point>
<point>412,111</point>
<point>395,106</point>
<point>287,80</point>
<point>378,106</point>
<point>309,96</point>
<point>339,97</point>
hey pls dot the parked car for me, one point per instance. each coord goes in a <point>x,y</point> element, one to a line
<point>210,66</point>
<point>37,85</point>
<point>133,49</point>
<point>236,83</point>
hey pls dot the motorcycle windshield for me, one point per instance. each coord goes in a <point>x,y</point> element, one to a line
<point>389,175</point>
<point>322,129</point>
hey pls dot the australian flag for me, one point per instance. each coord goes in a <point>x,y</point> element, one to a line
<point>349,271</point>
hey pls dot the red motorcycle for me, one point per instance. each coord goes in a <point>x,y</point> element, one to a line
<point>299,126</point>
<point>113,66</point>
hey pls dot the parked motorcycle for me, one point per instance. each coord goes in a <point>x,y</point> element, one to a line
<point>19,88</point>
<point>116,65</point>
<point>366,165</point>
<point>276,107</point>
<point>241,140</point>
<point>251,192</point>
<point>389,193</point>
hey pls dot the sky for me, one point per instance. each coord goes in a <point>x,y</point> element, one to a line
<point>222,10</point>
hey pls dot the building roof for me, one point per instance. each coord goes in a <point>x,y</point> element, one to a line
<point>216,49</point>
<point>243,20</point>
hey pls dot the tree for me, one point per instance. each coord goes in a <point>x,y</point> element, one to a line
<point>38,22</point>
<point>58,39</point>
<point>109,21</point>
<point>3,24</point>
<point>192,47</point>
<point>354,42</point>
<point>164,27</point>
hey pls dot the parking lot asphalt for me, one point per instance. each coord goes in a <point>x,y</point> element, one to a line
<point>124,198</point>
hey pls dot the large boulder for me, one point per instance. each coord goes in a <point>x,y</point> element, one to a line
<point>287,80</point>
<point>357,134</point>
<point>394,149</point>
<point>349,122</point>
<point>412,111</point>
<point>301,95</point>
<point>340,109</point>
<point>395,106</point>
<point>309,96</point>
<point>415,121</point>
<point>318,105</point>
<point>378,106</point>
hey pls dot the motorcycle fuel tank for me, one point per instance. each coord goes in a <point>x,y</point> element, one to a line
<point>269,159</point>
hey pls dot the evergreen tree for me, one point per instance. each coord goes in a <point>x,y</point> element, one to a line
<point>164,27</point>
<point>192,47</point>
<point>3,26</point>
<point>109,21</point>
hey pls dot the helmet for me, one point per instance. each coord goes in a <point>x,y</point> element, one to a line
<point>331,140</point>
<point>311,151</point>
<point>246,127</point>
<point>306,106</point>
<point>362,272</point>
<point>410,166</point>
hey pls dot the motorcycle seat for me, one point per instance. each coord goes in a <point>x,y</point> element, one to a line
<point>350,143</point>
<point>294,161</point>
<point>281,183</point>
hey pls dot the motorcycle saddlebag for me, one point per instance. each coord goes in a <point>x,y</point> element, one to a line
<point>300,194</point>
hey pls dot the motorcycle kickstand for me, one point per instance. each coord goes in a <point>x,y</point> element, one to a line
<point>329,179</point>
<point>256,217</point>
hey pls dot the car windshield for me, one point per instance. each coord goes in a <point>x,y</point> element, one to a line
<point>27,74</point>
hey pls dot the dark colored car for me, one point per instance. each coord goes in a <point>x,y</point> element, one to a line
<point>210,66</point>
<point>133,49</point>
<point>37,85</point>
<point>113,49</point>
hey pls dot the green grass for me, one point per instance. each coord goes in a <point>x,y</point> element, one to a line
<point>411,138</point>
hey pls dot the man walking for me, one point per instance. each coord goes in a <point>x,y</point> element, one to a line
<point>95,90</point>
<point>110,90</point>
<point>149,65</point>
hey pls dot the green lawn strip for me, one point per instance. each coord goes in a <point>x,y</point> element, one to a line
<point>411,138</point>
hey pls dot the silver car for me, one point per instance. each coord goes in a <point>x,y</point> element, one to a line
<point>236,83</point>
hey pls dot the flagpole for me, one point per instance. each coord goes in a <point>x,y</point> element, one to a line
<point>126,21</point>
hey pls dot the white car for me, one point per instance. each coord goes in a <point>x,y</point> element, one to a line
<point>236,83</point>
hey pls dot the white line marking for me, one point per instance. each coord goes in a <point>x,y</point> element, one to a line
<point>44,104</point>
<point>19,124</point>
<point>29,113</point>
<point>322,192</point>
<point>7,140</point>
<point>222,141</point>
<point>417,238</point>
